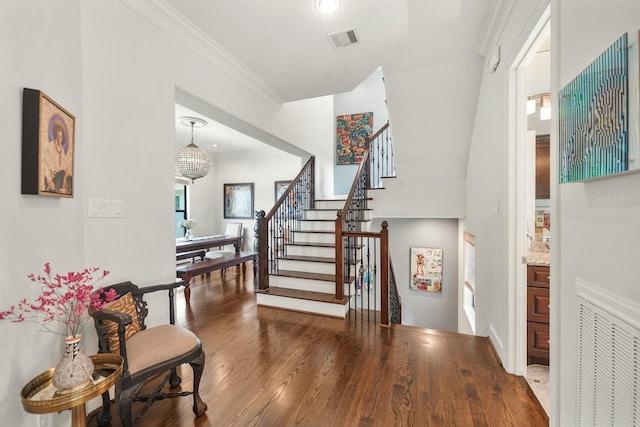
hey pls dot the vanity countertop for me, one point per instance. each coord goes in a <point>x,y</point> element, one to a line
<point>538,258</point>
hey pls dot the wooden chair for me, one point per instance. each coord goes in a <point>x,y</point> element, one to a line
<point>147,352</point>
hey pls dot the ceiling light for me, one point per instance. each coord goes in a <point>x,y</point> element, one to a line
<point>192,161</point>
<point>327,6</point>
<point>545,107</point>
<point>543,101</point>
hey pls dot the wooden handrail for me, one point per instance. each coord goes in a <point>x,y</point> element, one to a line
<point>310,163</point>
<point>354,185</point>
<point>349,218</point>
<point>274,229</point>
<point>377,134</point>
<point>384,274</point>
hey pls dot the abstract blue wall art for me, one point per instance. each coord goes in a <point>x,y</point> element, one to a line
<point>594,118</point>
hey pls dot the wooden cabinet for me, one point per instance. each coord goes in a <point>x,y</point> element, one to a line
<point>543,177</point>
<point>537,315</point>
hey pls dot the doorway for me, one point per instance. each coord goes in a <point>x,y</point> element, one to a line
<point>533,208</point>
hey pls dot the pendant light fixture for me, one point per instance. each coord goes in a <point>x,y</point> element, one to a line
<point>192,161</point>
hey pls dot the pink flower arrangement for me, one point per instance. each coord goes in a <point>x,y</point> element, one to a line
<point>64,300</point>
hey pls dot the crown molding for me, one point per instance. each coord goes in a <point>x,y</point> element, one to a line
<point>169,20</point>
<point>500,12</point>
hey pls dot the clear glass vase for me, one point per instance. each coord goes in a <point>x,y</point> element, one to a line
<point>75,368</point>
<point>188,234</point>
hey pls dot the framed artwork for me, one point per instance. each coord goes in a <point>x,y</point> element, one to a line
<point>48,142</point>
<point>598,112</point>
<point>238,201</point>
<point>426,269</point>
<point>280,187</point>
<point>352,131</point>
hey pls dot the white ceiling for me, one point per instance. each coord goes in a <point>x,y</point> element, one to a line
<point>284,43</point>
<point>214,137</point>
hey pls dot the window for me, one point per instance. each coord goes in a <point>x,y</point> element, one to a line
<point>181,208</point>
<point>470,278</point>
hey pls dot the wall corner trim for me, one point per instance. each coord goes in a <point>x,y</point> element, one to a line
<point>168,20</point>
<point>500,11</point>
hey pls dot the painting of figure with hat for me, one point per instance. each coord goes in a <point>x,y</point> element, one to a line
<point>56,151</point>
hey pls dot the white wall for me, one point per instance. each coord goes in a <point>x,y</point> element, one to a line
<point>315,125</point>
<point>117,73</point>
<point>42,52</point>
<point>207,194</point>
<point>368,96</point>
<point>431,112</point>
<point>596,224</point>
<point>435,310</point>
<point>599,221</point>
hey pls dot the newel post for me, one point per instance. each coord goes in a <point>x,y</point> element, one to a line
<point>339,258</point>
<point>384,274</point>
<point>262,239</point>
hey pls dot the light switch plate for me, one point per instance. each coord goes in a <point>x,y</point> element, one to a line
<point>101,208</point>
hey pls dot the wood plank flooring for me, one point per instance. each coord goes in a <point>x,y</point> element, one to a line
<point>268,367</point>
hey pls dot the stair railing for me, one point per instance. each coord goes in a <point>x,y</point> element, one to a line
<point>351,217</point>
<point>370,283</point>
<point>273,231</point>
<point>381,159</point>
<point>395,303</point>
<point>376,163</point>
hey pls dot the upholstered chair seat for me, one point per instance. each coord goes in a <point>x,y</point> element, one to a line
<point>146,352</point>
<point>182,342</point>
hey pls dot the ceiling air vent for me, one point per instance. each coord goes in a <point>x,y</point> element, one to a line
<point>343,38</point>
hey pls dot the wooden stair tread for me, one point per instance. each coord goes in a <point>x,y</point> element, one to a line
<point>328,260</point>
<point>322,245</point>
<point>307,295</point>
<point>329,209</point>
<point>310,258</point>
<point>313,232</point>
<point>306,275</point>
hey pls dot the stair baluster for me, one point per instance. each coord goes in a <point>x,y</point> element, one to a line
<point>276,229</point>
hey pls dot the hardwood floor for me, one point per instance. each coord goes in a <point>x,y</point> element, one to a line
<point>268,367</point>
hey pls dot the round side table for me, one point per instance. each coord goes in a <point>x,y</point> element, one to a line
<point>39,396</point>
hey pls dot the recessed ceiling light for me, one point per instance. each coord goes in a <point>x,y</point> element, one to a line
<point>327,6</point>
<point>215,145</point>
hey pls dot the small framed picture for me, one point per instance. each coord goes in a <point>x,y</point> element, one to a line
<point>426,269</point>
<point>238,201</point>
<point>48,142</point>
<point>280,187</point>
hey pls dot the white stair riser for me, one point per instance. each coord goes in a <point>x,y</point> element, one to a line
<point>307,266</point>
<point>302,237</point>
<point>329,204</point>
<point>318,226</point>
<point>317,214</point>
<point>311,251</point>
<point>326,309</point>
<point>303,284</point>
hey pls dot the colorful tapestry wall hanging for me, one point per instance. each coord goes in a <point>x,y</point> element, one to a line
<point>352,130</point>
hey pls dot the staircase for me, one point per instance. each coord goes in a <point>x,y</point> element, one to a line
<point>304,279</point>
<point>318,256</point>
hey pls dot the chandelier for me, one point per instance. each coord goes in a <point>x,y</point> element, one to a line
<point>192,161</point>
